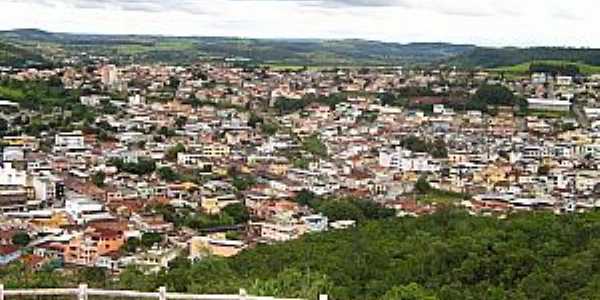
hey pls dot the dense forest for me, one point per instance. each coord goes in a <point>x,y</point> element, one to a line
<point>448,255</point>
<point>497,57</point>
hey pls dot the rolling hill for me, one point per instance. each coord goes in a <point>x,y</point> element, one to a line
<point>12,55</point>
<point>499,57</point>
<point>138,48</point>
<point>24,46</point>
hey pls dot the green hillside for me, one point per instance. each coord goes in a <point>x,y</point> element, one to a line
<point>12,55</point>
<point>449,255</point>
<point>524,68</point>
<point>309,52</point>
<point>498,57</point>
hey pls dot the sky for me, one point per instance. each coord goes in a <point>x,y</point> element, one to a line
<point>521,23</point>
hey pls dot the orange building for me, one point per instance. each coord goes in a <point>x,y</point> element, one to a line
<point>85,249</point>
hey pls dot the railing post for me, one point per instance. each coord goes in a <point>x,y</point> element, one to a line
<point>323,297</point>
<point>243,294</point>
<point>83,295</point>
<point>1,291</point>
<point>162,293</point>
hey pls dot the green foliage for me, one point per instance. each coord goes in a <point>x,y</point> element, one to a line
<point>254,120</point>
<point>21,239</point>
<point>315,146</point>
<point>448,255</point>
<point>180,121</point>
<point>496,57</point>
<point>437,148</point>
<point>306,198</point>
<point>94,276</point>
<point>131,245</point>
<point>168,132</point>
<point>269,128</point>
<point>293,283</point>
<point>172,152</point>
<point>554,69</point>
<point>349,209</point>
<point>98,179</point>
<point>286,106</point>
<point>243,182</point>
<point>149,239</point>
<point>13,55</point>
<point>412,291</point>
<point>238,212</point>
<point>186,217</point>
<point>168,174</point>
<point>389,99</point>
<point>422,186</point>
<point>186,50</point>
<point>144,166</point>
<point>496,95</point>
<point>299,162</point>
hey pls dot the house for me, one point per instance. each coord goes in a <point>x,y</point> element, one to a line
<point>202,246</point>
<point>84,210</point>
<point>69,141</point>
<point>9,254</point>
<point>86,247</point>
<point>155,259</point>
<point>549,104</point>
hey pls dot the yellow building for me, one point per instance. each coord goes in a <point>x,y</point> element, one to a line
<point>203,246</point>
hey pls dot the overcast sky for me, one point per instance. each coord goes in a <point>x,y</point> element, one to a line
<point>483,22</point>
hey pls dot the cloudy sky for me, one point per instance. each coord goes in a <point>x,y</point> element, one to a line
<point>483,22</point>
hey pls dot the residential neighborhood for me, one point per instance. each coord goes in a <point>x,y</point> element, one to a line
<point>214,158</point>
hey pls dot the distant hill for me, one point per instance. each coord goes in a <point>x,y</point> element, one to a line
<point>499,57</point>
<point>31,44</point>
<point>141,48</point>
<point>12,55</point>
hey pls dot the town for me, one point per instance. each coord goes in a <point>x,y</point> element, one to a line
<point>150,163</point>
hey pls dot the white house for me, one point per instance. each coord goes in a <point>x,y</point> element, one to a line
<point>548,104</point>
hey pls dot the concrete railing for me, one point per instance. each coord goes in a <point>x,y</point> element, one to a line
<point>83,292</point>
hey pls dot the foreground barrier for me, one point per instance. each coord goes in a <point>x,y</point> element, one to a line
<point>83,292</point>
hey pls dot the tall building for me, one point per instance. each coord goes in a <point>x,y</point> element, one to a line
<point>14,192</point>
<point>110,76</point>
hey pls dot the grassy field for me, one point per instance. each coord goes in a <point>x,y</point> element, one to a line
<point>522,69</point>
<point>441,197</point>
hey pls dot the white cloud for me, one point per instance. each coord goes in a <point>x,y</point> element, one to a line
<point>487,22</point>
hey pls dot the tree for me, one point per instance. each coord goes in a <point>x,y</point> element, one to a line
<point>389,99</point>
<point>238,211</point>
<point>131,245</point>
<point>98,178</point>
<point>3,126</point>
<point>94,276</point>
<point>315,146</point>
<point>242,183</point>
<point>180,121</point>
<point>412,291</point>
<point>172,152</point>
<point>269,128</point>
<point>439,149</point>
<point>422,186</point>
<point>306,198</point>
<point>21,239</point>
<point>337,210</point>
<point>544,170</point>
<point>149,239</point>
<point>293,283</point>
<point>168,174</point>
<point>496,95</point>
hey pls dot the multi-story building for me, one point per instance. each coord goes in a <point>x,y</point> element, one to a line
<point>85,248</point>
